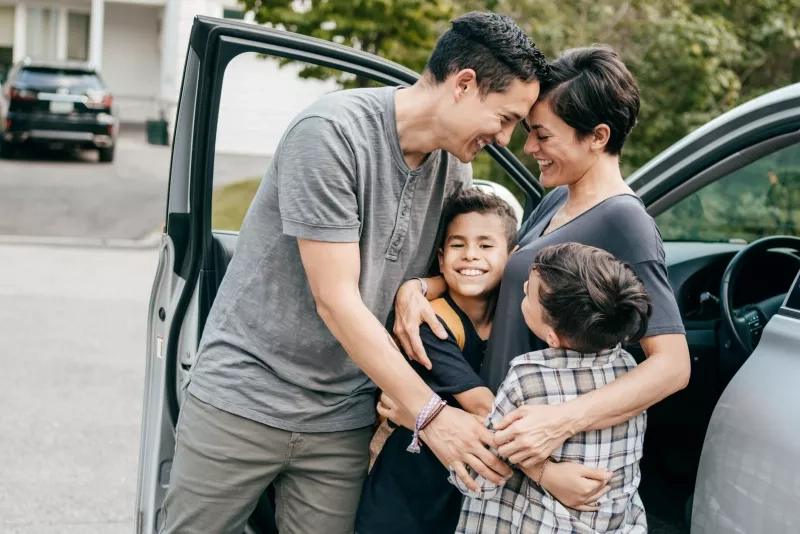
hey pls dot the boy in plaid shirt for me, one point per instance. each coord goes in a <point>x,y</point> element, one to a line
<point>584,304</point>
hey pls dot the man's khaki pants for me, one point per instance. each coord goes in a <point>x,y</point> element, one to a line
<point>223,463</point>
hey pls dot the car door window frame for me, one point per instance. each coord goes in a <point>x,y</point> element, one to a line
<point>212,45</point>
<point>723,169</point>
<point>224,41</point>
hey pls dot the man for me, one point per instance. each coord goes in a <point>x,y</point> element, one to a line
<point>283,390</point>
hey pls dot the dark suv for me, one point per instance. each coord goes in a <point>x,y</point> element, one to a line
<point>57,105</point>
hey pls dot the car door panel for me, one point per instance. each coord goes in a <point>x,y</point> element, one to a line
<point>193,258</point>
<point>750,466</point>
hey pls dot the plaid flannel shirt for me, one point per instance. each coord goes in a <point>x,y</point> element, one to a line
<point>552,376</point>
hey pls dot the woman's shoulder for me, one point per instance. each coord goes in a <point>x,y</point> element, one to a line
<point>625,220</point>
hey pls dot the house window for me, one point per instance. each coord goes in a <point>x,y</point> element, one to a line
<point>78,36</point>
<point>42,32</point>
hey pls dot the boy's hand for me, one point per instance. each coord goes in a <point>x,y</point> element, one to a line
<point>458,439</point>
<point>575,486</point>
<point>411,310</point>
<point>394,412</point>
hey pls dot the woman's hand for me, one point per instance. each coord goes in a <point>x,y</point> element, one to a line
<point>575,486</point>
<point>411,310</point>
<point>394,412</point>
<point>530,433</point>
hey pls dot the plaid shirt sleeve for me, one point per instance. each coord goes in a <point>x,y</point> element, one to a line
<point>509,397</point>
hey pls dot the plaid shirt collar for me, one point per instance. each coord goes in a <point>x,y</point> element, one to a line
<point>560,358</point>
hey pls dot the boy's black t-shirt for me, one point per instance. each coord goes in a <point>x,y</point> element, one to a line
<point>407,492</point>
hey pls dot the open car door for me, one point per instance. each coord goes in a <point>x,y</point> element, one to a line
<point>193,256</point>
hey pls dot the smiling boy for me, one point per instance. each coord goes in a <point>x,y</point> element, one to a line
<point>409,492</point>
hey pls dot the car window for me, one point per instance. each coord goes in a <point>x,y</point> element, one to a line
<point>258,101</point>
<point>76,80</point>
<point>755,201</point>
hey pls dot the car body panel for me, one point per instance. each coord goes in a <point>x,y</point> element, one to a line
<point>749,475</point>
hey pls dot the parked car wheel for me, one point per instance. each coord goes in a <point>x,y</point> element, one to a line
<point>106,154</point>
<point>6,150</point>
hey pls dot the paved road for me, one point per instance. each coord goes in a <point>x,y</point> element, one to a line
<point>72,338</point>
<point>64,195</point>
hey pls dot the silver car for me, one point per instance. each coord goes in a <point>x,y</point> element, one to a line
<point>722,455</point>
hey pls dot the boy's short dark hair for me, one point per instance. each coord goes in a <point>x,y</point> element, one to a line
<point>474,200</point>
<point>590,298</point>
<point>492,45</point>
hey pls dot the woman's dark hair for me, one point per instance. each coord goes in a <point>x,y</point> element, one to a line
<point>473,200</point>
<point>492,45</point>
<point>592,86</point>
<point>590,298</point>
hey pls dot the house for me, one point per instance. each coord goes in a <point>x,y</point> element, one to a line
<point>140,46</point>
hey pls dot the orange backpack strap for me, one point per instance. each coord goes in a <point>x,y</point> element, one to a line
<point>451,319</point>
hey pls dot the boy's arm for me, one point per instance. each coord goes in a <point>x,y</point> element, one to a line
<point>477,401</point>
<point>452,374</point>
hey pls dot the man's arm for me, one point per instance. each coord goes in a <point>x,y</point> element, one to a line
<point>531,433</point>
<point>333,271</point>
<point>508,398</point>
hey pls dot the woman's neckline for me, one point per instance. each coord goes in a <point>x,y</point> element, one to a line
<point>581,214</point>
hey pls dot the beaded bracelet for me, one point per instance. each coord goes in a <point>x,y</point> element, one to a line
<point>426,415</point>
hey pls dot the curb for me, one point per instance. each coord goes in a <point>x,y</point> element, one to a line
<point>150,241</point>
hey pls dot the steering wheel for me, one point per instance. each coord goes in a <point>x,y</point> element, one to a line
<point>746,324</point>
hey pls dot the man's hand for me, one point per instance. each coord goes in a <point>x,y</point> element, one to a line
<point>530,433</point>
<point>575,486</point>
<point>455,437</point>
<point>411,310</point>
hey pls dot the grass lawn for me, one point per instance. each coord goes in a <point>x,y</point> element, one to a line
<point>230,202</point>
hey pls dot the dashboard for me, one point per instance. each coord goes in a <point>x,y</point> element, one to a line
<point>696,270</point>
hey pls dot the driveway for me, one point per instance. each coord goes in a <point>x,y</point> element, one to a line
<point>64,195</point>
<point>73,324</point>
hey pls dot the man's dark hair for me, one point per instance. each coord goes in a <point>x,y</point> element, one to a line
<point>591,86</point>
<point>590,298</point>
<point>492,45</point>
<point>474,200</point>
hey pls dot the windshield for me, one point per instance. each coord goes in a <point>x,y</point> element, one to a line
<point>761,199</point>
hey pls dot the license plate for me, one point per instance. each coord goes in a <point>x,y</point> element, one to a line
<point>62,107</point>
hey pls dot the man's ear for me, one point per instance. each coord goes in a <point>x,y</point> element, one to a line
<point>601,137</point>
<point>464,82</point>
<point>440,255</point>
<point>513,250</point>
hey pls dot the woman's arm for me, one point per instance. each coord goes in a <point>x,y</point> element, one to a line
<point>411,310</point>
<point>530,434</point>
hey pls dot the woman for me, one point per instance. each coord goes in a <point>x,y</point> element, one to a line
<point>576,132</point>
